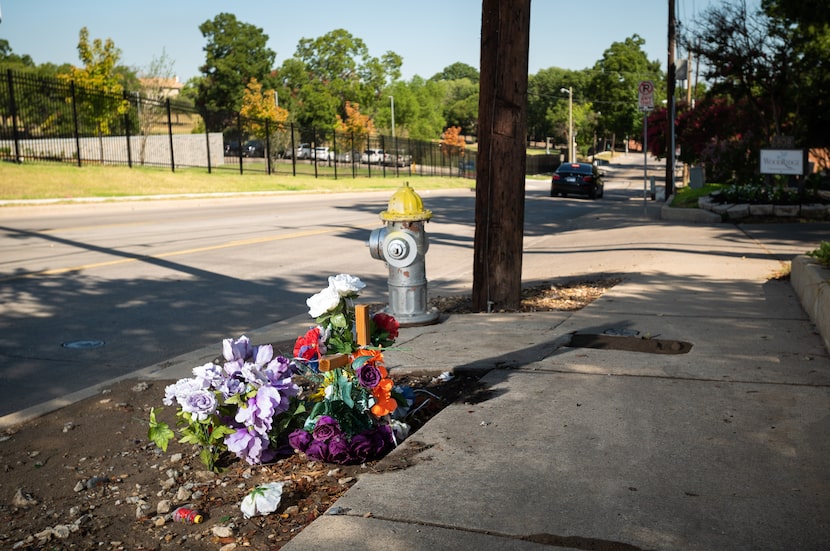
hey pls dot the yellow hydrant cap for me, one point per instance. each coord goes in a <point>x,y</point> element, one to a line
<point>405,204</point>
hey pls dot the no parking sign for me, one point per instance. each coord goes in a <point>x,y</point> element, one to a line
<point>646,95</point>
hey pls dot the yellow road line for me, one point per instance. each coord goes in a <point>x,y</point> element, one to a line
<point>239,243</point>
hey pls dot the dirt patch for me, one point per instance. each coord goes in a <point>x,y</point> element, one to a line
<point>86,477</point>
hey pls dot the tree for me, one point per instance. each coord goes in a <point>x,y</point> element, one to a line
<point>235,53</point>
<point>10,60</point>
<point>356,124</point>
<point>808,26</point>
<point>613,85</point>
<point>452,142</point>
<point>327,71</point>
<point>421,108</point>
<point>458,71</point>
<point>772,67</point>
<point>461,97</point>
<point>548,104</point>
<point>98,93</point>
<point>717,132</point>
<point>151,114</point>
<point>262,118</point>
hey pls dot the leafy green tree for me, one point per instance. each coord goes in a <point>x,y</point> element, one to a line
<point>422,108</point>
<point>263,119</point>
<point>548,104</point>
<point>458,71</point>
<point>772,68</point>
<point>10,60</point>
<point>613,85</point>
<point>327,71</point>
<point>98,84</point>
<point>235,53</point>
<point>808,31</point>
<point>461,104</point>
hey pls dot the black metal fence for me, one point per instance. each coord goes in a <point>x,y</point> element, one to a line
<point>52,120</point>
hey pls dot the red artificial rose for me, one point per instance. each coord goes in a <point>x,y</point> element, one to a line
<point>386,324</point>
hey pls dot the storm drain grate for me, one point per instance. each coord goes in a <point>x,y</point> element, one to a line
<point>629,343</point>
<point>83,345</point>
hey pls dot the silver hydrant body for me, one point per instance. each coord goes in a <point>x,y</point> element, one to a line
<point>403,244</point>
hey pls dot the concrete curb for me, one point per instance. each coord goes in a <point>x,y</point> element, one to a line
<point>811,283</point>
<point>694,216</point>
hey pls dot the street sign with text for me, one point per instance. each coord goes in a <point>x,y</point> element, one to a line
<point>645,92</point>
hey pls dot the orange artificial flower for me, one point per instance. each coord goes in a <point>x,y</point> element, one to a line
<point>384,403</point>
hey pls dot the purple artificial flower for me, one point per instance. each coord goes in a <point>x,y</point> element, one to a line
<point>317,450</point>
<point>181,389</point>
<point>252,373</point>
<point>211,375</point>
<point>234,367</point>
<point>200,404</point>
<point>279,368</point>
<point>368,375</point>
<point>326,428</point>
<point>361,447</point>
<point>239,349</point>
<point>300,439</point>
<point>247,445</point>
<point>260,410</point>
<point>382,440</point>
<point>231,387</point>
<point>339,451</point>
<point>263,354</point>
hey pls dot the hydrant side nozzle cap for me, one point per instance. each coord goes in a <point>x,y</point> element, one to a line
<point>405,204</point>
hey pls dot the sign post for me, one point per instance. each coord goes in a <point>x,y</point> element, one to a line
<point>645,93</point>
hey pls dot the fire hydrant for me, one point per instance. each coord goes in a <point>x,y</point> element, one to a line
<point>403,244</point>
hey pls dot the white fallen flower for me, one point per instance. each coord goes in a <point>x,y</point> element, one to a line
<point>262,500</point>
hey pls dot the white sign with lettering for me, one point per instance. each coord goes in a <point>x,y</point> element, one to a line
<point>782,161</point>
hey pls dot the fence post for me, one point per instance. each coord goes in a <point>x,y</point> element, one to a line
<point>207,148</point>
<point>239,139</point>
<point>267,149</point>
<point>383,157</point>
<point>334,151</point>
<point>293,152</point>
<point>13,105</point>
<point>127,132</point>
<point>314,148</point>
<point>75,121</point>
<point>368,156</point>
<point>170,135</point>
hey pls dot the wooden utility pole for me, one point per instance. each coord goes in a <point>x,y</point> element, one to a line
<point>500,170</point>
<point>672,80</point>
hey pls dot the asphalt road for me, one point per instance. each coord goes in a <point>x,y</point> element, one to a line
<point>93,291</point>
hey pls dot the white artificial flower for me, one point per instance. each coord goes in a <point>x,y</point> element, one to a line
<point>262,500</point>
<point>346,285</point>
<point>322,302</point>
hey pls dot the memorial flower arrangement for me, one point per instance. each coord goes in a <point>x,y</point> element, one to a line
<point>250,404</point>
<point>244,405</point>
<point>354,410</point>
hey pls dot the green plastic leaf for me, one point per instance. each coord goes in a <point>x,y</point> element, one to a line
<point>159,433</point>
<point>339,321</point>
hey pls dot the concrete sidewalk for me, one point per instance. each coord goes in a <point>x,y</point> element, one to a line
<point>723,447</point>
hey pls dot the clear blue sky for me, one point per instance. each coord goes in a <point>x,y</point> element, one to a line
<point>428,34</point>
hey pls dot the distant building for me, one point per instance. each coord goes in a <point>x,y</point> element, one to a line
<point>161,88</point>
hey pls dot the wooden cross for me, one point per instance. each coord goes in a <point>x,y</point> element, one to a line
<point>361,318</point>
